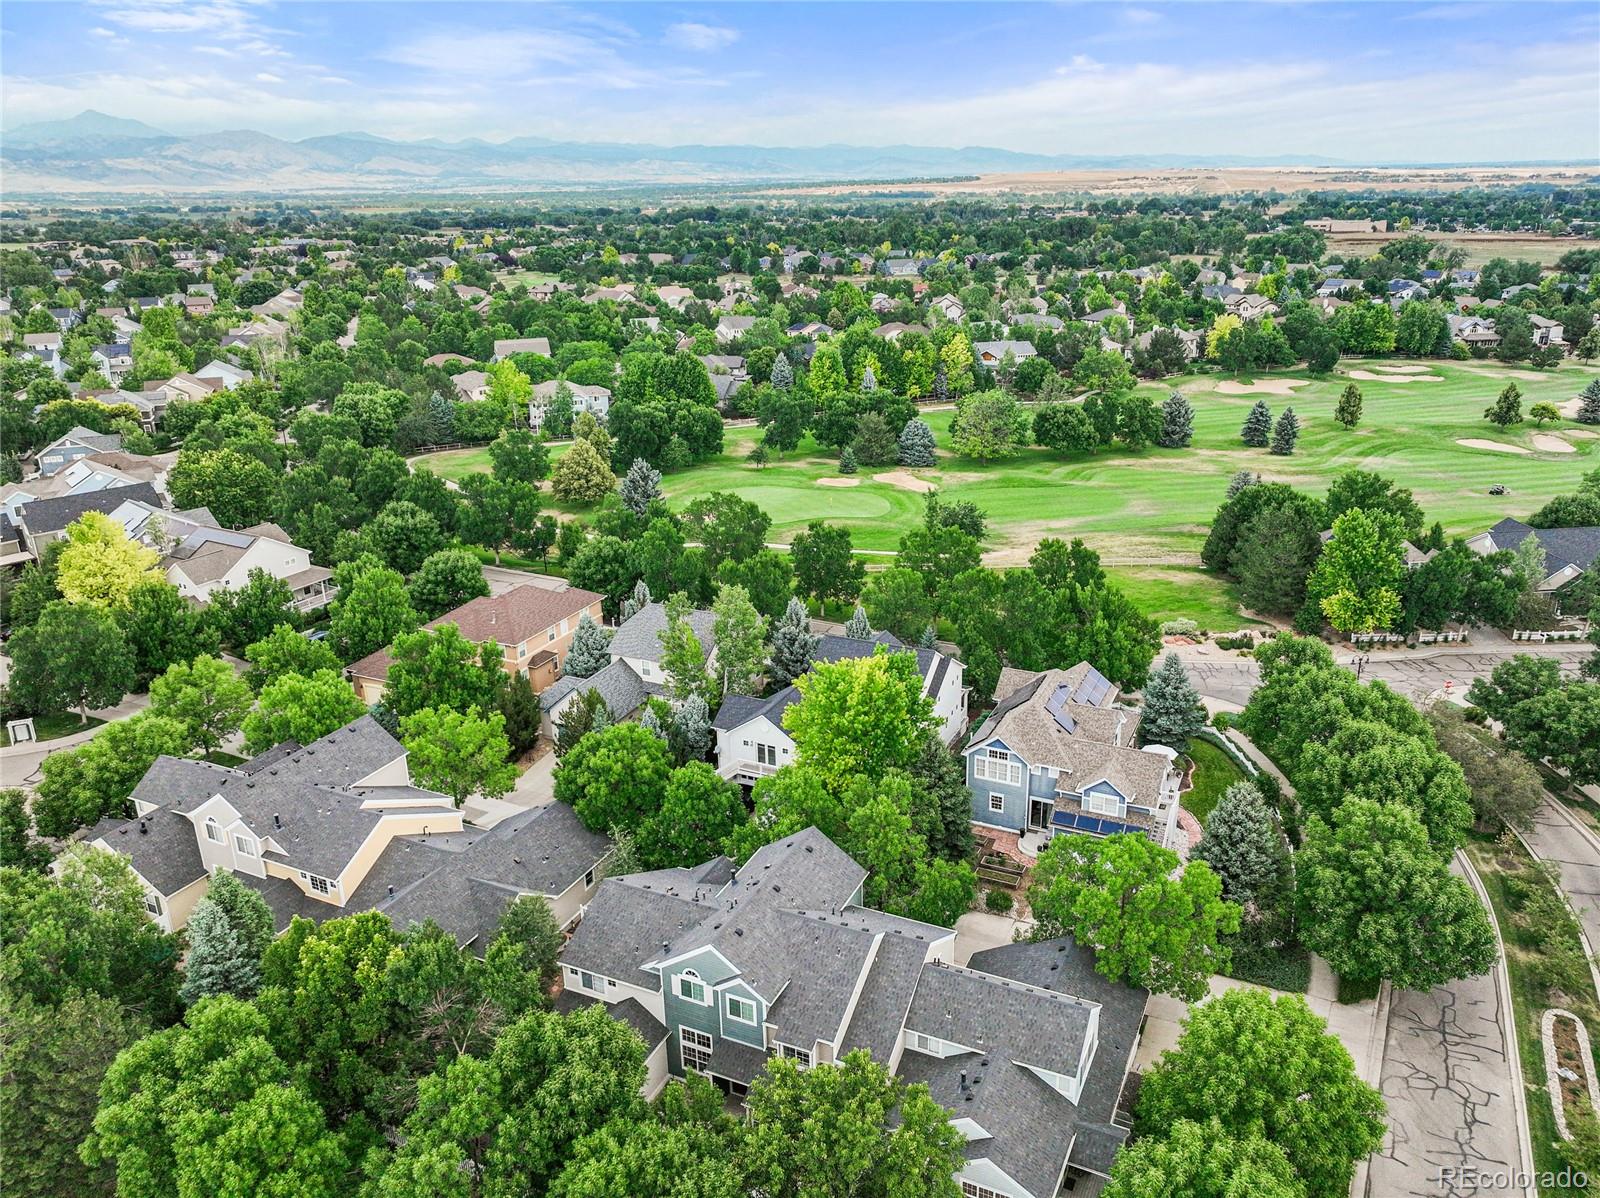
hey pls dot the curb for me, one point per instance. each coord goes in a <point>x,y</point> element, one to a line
<point>1508,1025</point>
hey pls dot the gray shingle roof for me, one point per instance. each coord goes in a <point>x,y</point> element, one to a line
<point>622,689</point>
<point>161,847</point>
<point>1562,546</point>
<point>628,1011</point>
<point>640,636</point>
<point>891,982</point>
<point>52,515</point>
<point>626,925</point>
<point>993,1015</point>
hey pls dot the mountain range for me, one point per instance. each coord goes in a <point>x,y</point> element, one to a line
<point>96,153</point>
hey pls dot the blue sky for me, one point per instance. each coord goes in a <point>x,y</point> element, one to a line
<point>1367,82</point>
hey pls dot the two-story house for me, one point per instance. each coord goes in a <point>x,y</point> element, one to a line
<point>595,400</point>
<point>335,827</point>
<point>635,672</point>
<point>207,560</point>
<point>722,969</point>
<point>1059,753</point>
<point>532,625</point>
<point>73,444</point>
<point>752,743</point>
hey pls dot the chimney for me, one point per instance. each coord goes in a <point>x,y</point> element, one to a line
<point>391,892</point>
<point>277,820</point>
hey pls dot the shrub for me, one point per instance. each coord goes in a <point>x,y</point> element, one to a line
<point>998,901</point>
<point>1354,990</point>
<point>1243,640</point>
<point>1285,966</point>
<point>1179,627</point>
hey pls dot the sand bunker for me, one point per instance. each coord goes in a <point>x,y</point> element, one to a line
<point>838,482</point>
<point>1583,434</point>
<point>1497,446</point>
<point>1405,369</point>
<point>1546,443</point>
<point>909,482</point>
<point>1530,376</point>
<point>1366,376</point>
<point>1263,387</point>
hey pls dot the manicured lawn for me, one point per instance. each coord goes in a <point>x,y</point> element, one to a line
<point>1147,513</point>
<point>1497,867</point>
<point>1214,772</point>
<point>52,727</point>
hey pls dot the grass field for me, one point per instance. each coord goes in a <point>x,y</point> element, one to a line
<point>1214,772</point>
<point>55,726</point>
<point>1147,513</point>
<point>1480,247</point>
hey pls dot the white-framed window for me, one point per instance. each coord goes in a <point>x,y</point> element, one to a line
<point>690,987</point>
<point>695,1048</point>
<point>800,1055</point>
<point>997,765</point>
<point>550,634</point>
<point>1102,804</point>
<point>152,902</point>
<point>587,980</point>
<point>244,845</point>
<point>928,1044</point>
<point>971,1189</point>
<point>522,651</point>
<point>588,878</point>
<point>767,754</point>
<point>213,832</point>
<point>320,885</point>
<point>997,802</point>
<point>741,1010</point>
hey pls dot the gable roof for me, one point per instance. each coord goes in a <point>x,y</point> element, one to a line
<point>639,637</point>
<point>1563,547</point>
<point>53,515</point>
<point>622,689</point>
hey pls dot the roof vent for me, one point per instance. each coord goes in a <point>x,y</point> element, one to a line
<point>143,829</point>
<point>277,820</point>
<point>391,892</point>
<point>808,848</point>
<point>516,860</point>
<point>738,931</point>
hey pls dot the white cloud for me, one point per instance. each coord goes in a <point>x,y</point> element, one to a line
<point>267,77</point>
<point>102,32</point>
<point>225,18</point>
<point>692,35</point>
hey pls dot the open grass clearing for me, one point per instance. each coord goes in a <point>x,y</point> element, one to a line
<point>54,726</point>
<point>1214,772</point>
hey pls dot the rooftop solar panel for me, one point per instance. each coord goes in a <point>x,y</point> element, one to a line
<point>1056,706</point>
<point>1094,687</point>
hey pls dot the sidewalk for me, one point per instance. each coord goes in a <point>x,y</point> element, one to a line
<point>19,764</point>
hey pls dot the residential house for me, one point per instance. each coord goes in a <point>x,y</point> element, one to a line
<point>595,400</point>
<point>752,743</point>
<point>809,328</point>
<point>336,827</point>
<point>113,360</point>
<point>1545,331</point>
<point>1221,292</point>
<point>46,347</point>
<point>207,560</point>
<point>1250,306</point>
<point>895,329</point>
<point>992,353</point>
<point>39,522</point>
<point>1059,753</point>
<point>230,376</point>
<point>90,473</point>
<point>635,672</point>
<point>900,268</point>
<point>952,308</point>
<point>471,385</point>
<point>281,306</point>
<point>507,346</point>
<point>1193,341</point>
<point>1035,320</point>
<point>1328,224</point>
<point>1335,286</point>
<point>730,328</point>
<point>532,625</point>
<point>674,297</point>
<point>198,307</point>
<point>722,970</point>
<point>75,443</point>
<point>1569,553</point>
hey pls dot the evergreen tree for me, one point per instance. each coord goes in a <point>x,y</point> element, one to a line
<point>441,419</point>
<point>1507,409</point>
<point>640,487</point>
<point>869,381</point>
<point>591,647</point>
<point>636,602</point>
<point>793,645</point>
<point>929,638</point>
<point>585,714</point>
<point>1257,430</point>
<point>218,961</point>
<point>1348,413</point>
<point>689,733</point>
<point>522,713</point>
<point>941,384</point>
<point>1177,422</point>
<point>916,444</point>
<point>782,375</point>
<point>856,627</point>
<point>1243,844</point>
<point>651,723</point>
<point>1172,709</point>
<point>1286,434</point>
<point>1589,408</point>
<point>247,912</point>
<point>847,461</point>
<point>1240,481</point>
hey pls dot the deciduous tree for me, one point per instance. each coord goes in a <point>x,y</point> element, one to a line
<point>206,697</point>
<point>300,708</point>
<point>460,753</point>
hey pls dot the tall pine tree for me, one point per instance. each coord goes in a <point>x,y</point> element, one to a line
<point>219,960</point>
<point>794,645</point>
<point>1172,709</point>
<point>856,627</point>
<point>1348,413</point>
<point>591,649</point>
<point>1286,434</point>
<point>1243,844</point>
<point>640,487</point>
<point>1257,430</point>
<point>1589,403</point>
<point>916,444</point>
<point>1177,422</point>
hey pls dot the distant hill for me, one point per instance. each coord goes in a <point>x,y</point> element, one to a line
<point>93,152</point>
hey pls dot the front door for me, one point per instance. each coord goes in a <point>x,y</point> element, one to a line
<point>1039,813</point>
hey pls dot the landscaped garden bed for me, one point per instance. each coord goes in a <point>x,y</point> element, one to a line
<point>995,866</point>
<point>1569,1069</point>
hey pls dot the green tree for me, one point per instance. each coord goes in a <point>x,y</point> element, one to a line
<point>249,614</point>
<point>1356,581</point>
<point>237,489</point>
<point>860,716</point>
<point>1378,901</point>
<point>440,668</point>
<point>897,599</point>
<point>1148,927</point>
<point>581,475</point>
<point>101,565</point>
<point>916,444</point>
<point>246,911</point>
<point>793,646</point>
<point>518,455</point>
<point>740,633</point>
<point>640,487</point>
<point>285,651</point>
<point>1589,399</point>
<point>206,697</point>
<point>526,946</point>
<point>1267,1067</point>
<point>162,627</point>
<point>1286,433</point>
<point>1065,428</point>
<point>1172,708</point>
<point>1506,789</point>
<point>1276,553</point>
<point>445,580</point>
<point>849,1128</point>
<point>1544,411</point>
<point>300,708</point>
<point>1177,422</point>
<point>404,535</point>
<point>1202,1160</point>
<point>727,526</point>
<point>607,565</point>
<point>80,786</point>
<point>989,425</point>
<point>1243,844</point>
<point>614,777</point>
<point>18,847</point>
<point>1507,409</point>
<point>1348,410</point>
<point>71,656</point>
<point>371,613</point>
<point>767,577</point>
<point>697,809</point>
<point>1257,430</point>
<point>218,961</point>
<point>460,753</point>
<point>825,565</point>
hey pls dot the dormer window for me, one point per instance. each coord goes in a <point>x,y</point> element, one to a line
<point>213,833</point>
<point>742,1010</point>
